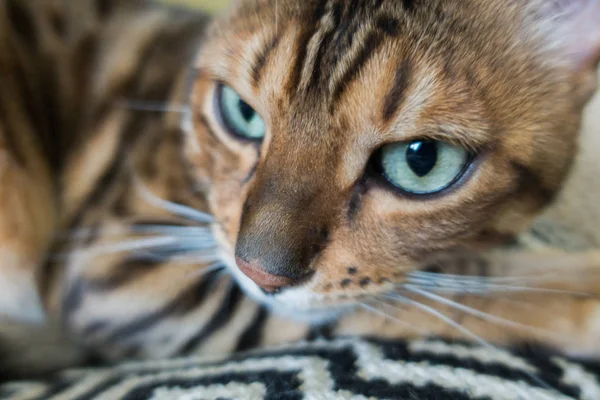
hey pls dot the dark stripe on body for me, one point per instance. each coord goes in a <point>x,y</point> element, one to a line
<point>130,132</point>
<point>22,22</point>
<point>253,334</point>
<point>388,25</point>
<point>220,318</point>
<point>104,8</point>
<point>409,5</point>
<point>73,299</point>
<point>144,84</point>
<point>325,331</point>
<point>189,299</point>
<point>7,137</point>
<point>125,272</point>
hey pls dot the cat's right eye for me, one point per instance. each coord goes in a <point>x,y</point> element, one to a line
<point>423,167</point>
<point>237,116</point>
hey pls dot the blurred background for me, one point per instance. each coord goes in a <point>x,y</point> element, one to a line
<point>210,5</point>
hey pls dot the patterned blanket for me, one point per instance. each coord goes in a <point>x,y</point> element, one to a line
<point>341,369</point>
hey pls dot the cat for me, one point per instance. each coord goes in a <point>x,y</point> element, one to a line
<point>291,170</point>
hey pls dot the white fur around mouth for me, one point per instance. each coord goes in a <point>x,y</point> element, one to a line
<point>302,310</point>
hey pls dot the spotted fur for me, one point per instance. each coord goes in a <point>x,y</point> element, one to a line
<point>128,202</point>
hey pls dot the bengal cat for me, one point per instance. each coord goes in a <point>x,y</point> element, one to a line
<point>295,169</point>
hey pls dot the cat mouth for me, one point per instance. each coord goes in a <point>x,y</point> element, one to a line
<point>298,303</point>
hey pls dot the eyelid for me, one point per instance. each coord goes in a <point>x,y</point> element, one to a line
<point>474,138</point>
<point>251,99</point>
<point>471,147</point>
<point>210,74</point>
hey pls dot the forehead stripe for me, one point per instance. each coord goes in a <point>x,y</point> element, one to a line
<point>397,93</point>
<point>301,48</point>
<point>262,59</point>
<point>370,46</point>
<point>385,26</point>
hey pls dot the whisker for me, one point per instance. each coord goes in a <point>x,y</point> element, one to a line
<point>157,243</point>
<point>188,246</point>
<point>86,233</point>
<point>467,278</point>
<point>521,303</point>
<point>477,313</point>
<point>391,317</point>
<point>173,230</point>
<point>178,209</point>
<point>443,317</point>
<point>178,255</point>
<point>152,106</point>
<point>482,287</point>
<point>217,266</point>
<point>124,246</point>
<point>199,232</point>
<point>536,307</point>
<point>132,245</point>
<point>192,257</point>
<point>537,277</point>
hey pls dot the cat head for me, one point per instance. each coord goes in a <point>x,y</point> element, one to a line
<point>340,144</point>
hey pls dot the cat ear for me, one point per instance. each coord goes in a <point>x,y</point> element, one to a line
<point>571,29</point>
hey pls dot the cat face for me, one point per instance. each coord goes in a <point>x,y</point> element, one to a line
<point>342,144</point>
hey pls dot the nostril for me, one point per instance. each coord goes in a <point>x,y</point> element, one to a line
<point>268,282</point>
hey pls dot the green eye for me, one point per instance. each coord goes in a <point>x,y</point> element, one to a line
<point>423,166</point>
<point>237,116</point>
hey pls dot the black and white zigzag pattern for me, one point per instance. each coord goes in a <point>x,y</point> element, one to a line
<point>342,369</point>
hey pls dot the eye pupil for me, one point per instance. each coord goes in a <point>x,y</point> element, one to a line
<point>247,111</point>
<point>422,156</point>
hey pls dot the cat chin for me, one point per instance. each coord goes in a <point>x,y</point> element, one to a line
<point>303,305</point>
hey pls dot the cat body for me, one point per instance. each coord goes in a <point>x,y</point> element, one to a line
<point>293,170</point>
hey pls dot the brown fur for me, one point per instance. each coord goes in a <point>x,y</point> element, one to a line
<point>334,82</point>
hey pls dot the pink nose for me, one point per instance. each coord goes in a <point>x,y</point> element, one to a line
<point>268,282</point>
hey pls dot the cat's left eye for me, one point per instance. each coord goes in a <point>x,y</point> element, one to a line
<point>423,167</point>
<point>237,116</point>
